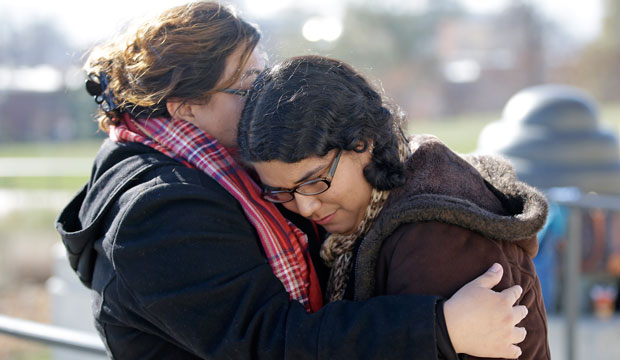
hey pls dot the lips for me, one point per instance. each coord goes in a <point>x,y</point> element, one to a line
<point>326,219</point>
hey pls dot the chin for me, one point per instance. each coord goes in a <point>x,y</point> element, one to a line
<point>338,230</point>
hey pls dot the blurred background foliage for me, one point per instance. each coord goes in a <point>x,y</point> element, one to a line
<point>438,63</point>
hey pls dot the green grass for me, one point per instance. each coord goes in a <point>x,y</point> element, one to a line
<point>27,219</point>
<point>31,351</point>
<point>43,182</point>
<point>85,148</point>
<point>461,133</point>
<point>610,115</point>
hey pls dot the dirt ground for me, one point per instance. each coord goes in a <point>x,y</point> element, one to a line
<point>26,242</point>
<point>29,302</point>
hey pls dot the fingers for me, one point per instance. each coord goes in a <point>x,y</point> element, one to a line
<point>519,313</point>
<point>512,294</point>
<point>491,277</point>
<point>518,335</point>
<point>514,352</point>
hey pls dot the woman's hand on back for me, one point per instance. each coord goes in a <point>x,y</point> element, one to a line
<point>482,322</point>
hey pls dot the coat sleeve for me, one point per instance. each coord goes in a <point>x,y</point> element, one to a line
<point>439,258</point>
<point>191,268</point>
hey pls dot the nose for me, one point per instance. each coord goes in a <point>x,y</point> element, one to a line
<point>307,204</point>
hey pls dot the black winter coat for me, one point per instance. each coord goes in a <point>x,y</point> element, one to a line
<point>178,272</point>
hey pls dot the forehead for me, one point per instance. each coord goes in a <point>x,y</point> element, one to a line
<point>253,65</point>
<point>277,173</point>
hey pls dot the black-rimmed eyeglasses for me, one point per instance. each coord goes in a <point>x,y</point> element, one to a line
<point>239,92</point>
<point>308,188</point>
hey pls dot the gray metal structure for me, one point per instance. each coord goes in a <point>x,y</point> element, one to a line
<point>577,202</point>
<point>553,136</point>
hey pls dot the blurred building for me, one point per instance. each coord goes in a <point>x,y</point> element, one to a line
<point>485,60</point>
<point>43,103</point>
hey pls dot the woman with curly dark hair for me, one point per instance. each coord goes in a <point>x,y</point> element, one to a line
<point>404,215</point>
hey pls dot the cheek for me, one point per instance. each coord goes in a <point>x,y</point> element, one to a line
<point>357,197</point>
<point>292,206</point>
<point>234,113</point>
<point>231,119</point>
<point>229,109</point>
<point>238,105</point>
<point>364,198</point>
<point>354,191</point>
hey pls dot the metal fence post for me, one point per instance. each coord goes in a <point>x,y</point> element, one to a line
<point>573,281</point>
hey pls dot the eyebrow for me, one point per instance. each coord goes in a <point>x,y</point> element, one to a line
<point>249,73</point>
<point>310,173</point>
<point>306,176</point>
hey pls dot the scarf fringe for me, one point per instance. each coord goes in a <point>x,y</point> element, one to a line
<point>337,250</point>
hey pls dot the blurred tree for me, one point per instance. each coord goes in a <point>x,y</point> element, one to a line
<point>409,48</point>
<point>509,51</point>
<point>381,39</point>
<point>33,44</point>
<point>598,69</point>
<point>398,48</point>
<point>526,20</point>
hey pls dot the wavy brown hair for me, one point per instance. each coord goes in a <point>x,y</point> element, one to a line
<point>180,54</point>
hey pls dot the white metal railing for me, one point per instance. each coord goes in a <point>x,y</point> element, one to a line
<point>577,202</point>
<point>52,335</point>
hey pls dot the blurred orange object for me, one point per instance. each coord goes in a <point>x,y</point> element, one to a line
<point>603,300</point>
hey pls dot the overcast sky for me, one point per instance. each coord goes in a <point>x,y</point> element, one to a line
<point>88,21</point>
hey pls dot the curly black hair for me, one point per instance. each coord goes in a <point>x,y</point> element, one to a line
<point>309,105</point>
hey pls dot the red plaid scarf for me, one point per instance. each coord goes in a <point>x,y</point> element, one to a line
<point>285,245</point>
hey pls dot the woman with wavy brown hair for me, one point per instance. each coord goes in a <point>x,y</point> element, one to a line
<point>184,258</point>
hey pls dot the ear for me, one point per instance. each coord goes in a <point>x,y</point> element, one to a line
<point>180,110</point>
<point>369,146</point>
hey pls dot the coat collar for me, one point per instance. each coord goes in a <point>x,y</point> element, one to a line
<point>479,193</point>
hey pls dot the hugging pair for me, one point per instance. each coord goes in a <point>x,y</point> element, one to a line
<point>189,258</point>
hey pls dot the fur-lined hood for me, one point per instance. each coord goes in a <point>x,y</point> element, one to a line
<point>479,193</point>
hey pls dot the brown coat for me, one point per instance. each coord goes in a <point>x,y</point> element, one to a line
<point>449,223</point>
